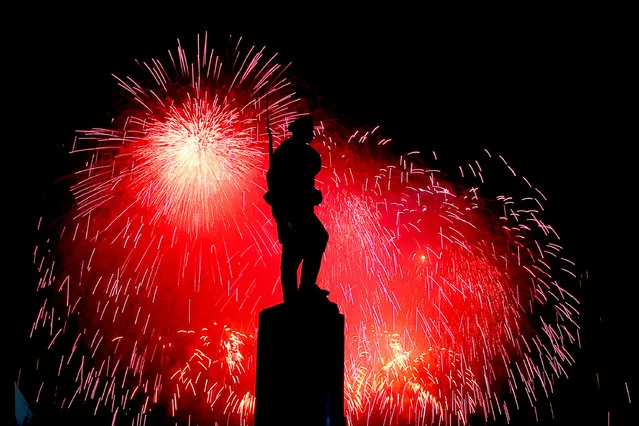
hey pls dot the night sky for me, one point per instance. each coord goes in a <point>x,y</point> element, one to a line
<point>550,92</point>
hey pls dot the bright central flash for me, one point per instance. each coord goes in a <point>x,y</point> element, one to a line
<point>194,161</point>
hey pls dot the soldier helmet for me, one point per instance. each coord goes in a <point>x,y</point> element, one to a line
<point>301,124</point>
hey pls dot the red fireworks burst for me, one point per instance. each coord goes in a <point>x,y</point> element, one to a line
<point>455,301</point>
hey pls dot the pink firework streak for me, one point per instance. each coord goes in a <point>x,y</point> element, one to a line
<point>456,303</point>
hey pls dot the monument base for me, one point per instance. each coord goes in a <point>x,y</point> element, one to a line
<point>300,365</point>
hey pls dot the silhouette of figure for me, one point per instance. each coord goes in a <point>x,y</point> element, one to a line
<point>293,197</point>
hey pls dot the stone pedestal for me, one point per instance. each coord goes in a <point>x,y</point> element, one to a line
<point>300,365</point>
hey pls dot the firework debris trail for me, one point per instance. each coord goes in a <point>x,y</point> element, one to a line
<point>457,303</point>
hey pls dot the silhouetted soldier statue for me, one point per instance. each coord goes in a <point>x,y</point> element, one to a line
<point>300,352</point>
<point>293,197</point>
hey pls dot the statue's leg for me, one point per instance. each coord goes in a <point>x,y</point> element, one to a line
<point>291,259</point>
<point>315,241</point>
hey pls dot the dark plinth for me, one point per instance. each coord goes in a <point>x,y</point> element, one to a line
<point>300,365</point>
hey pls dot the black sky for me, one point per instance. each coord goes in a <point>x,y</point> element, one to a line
<point>550,91</point>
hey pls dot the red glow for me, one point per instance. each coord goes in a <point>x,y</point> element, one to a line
<point>171,253</point>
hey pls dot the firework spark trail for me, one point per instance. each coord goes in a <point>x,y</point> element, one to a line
<point>152,293</point>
